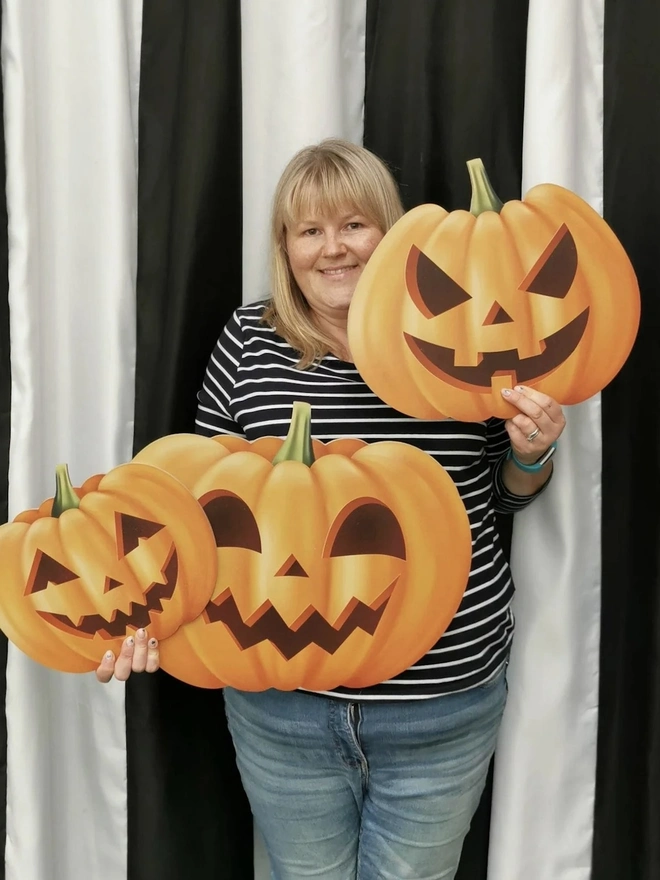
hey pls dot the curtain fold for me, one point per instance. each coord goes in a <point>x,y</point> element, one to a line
<point>546,757</point>
<point>5,368</point>
<point>445,83</point>
<point>187,813</point>
<point>627,814</point>
<point>70,79</point>
<point>5,433</point>
<point>189,203</point>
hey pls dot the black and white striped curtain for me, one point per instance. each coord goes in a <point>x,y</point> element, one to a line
<point>143,140</point>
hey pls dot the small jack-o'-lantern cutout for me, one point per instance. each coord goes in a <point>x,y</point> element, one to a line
<point>338,563</point>
<point>453,307</point>
<point>92,565</point>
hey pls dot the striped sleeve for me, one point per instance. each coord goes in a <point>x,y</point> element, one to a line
<point>215,396</point>
<point>497,446</point>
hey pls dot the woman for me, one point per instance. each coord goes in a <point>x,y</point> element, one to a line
<point>380,783</point>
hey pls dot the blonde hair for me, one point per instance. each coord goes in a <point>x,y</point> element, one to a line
<point>328,176</point>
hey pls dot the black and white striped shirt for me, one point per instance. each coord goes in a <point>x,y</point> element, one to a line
<point>250,385</point>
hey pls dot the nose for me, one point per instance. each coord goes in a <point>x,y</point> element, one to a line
<point>291,568</point>
<point>333,244</point>
<point>497,315</point>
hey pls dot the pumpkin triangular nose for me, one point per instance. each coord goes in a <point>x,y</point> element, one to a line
<point>497,315</point>
<point>292,568</point>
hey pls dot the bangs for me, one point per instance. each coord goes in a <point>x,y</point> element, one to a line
<point>326,188</point>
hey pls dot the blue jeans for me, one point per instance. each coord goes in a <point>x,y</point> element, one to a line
<point>364,791</point>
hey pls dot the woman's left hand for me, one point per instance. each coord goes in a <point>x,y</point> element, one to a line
<point>538,424</point>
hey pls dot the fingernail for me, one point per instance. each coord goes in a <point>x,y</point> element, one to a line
<point>520,387</point>
<point>141,633</point>
<point>109,655</point>
<point>506,392</point>
<point>130,641</point>
<point>152,643</point>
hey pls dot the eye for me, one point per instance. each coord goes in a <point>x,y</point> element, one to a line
<point>311,232</point>
<point>130,529</point>
<point>46,570</point>
<point>355,224</point>
<point>430,288</point>
<point>366,527</point>
<point>232,521</point>
<point>554,271</point>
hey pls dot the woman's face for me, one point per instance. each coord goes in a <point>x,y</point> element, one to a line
<point>327,253</point>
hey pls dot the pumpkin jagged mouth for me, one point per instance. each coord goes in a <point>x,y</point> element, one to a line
<point>311,628</point>
<point>439,360</point>
<point>138,616</point>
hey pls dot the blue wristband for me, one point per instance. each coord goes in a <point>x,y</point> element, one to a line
<point>537,465</point>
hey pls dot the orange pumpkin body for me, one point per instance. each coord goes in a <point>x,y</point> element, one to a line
<point>137,552</point>
<point>453,307</point>
<point>344,572</point>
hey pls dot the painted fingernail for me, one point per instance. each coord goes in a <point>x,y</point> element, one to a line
<point>152,643</point>
<point>141,633</point>
<point>109,655</point>
<point>506,392</point>
<point>130,641</point>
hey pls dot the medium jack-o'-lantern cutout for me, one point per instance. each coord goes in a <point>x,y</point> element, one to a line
<point>338,563</point>
<point>453,307</point>
<point>92,565</point>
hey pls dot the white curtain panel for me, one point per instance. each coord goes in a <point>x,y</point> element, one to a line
<point>303,80</point>
<point>546,758</point>
<point>71,76</point>
<point>303,70</point>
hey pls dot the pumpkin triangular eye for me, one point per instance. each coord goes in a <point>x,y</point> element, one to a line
<point>46,570</point>
<point>130,529</point>
<point>554,271</point>
<point>367,527</point>
<point>232,521</point>
<point>430,288</point>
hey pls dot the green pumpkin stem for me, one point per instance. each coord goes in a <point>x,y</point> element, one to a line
<point>484,197</point>
<point>298,443</point>
<point>65,497</point>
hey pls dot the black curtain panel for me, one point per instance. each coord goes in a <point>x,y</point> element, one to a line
<point>187,813</point>
<point>189,203</point>
<point>627,819</point>
<point>445,82</point>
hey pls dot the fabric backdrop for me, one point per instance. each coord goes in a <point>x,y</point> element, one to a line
<point>143,140</point>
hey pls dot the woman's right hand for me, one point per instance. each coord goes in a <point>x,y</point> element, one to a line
<point>139,653</point>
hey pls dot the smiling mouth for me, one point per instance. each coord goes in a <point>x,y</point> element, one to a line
<point>138,616</point>
<point>338,270</point>
<point>311,628</point>
<point>439,360</point>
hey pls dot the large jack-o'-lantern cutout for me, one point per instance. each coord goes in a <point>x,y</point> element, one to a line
<point>453,307</point>
<point>91,566</point>
<point>338,563</point>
